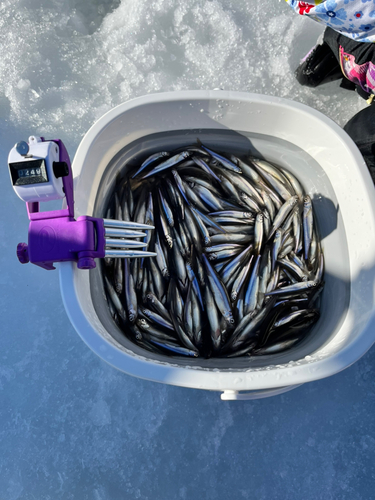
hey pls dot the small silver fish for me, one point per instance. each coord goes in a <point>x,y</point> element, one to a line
<point>282,214</point>
<point>130,294</point>
<point>166,209</point>
<point>258,233</point>
<point>151,159</point>
<point>239,281</point>
<point>171,162</point>
<point>222,160</point>
<point>307,225</point>
<point>251,294</point>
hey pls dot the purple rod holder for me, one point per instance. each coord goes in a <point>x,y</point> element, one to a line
<point>55,236</point>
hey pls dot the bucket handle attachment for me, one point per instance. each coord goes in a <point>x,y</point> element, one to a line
<point>229,395</point>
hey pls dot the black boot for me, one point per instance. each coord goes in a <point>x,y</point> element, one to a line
<point>361,129</point>
<point>319,66</point>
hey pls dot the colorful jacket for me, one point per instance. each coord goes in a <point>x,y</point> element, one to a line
<point>353,18</point>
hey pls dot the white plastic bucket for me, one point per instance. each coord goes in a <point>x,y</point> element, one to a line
<point>295,136</point>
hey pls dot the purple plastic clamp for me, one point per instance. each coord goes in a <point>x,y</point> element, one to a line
<point>55,236</point>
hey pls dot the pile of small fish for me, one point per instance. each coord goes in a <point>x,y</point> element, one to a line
<point>239,265</point>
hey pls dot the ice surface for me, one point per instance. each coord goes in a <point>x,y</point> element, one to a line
<point>71,427</point>
<point>66,63</point>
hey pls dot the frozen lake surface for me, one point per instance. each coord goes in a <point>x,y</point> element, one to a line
<point>71,426</point>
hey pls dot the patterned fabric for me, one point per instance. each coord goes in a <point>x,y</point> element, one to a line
<point>353,18</point>
<point>362,75</point>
